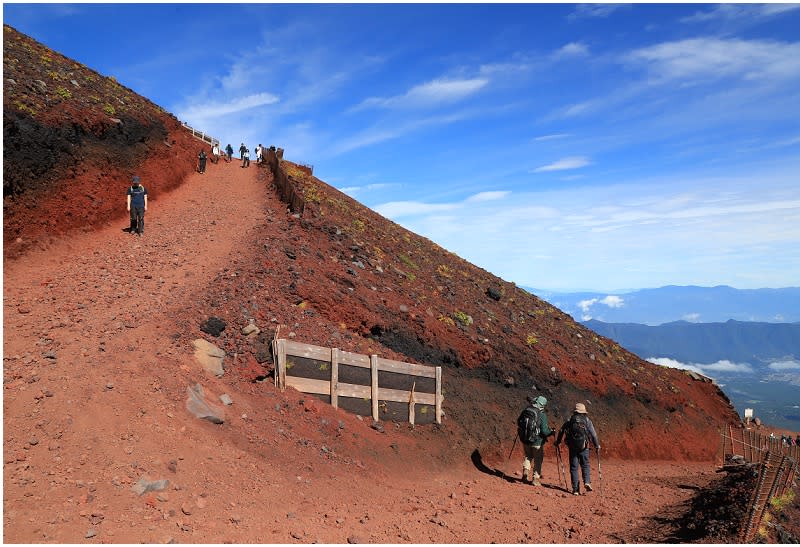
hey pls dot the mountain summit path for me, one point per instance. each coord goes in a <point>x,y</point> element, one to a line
<point>96,368</point>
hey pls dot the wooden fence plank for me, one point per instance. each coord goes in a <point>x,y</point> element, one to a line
<point>400,367</point>
<point>282,364</point>
<point>354,359</point>
<point>307,351</point>
<point>322,387</point>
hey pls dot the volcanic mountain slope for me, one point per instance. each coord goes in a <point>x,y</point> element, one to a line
<point>376,287</point>
<point>98,327</point>
<point>72,139</point>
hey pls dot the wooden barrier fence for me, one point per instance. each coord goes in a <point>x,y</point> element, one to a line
<point>777,471</point>
<point>333,358</point>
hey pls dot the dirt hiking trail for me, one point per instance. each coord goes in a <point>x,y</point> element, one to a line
<point>97,361</point>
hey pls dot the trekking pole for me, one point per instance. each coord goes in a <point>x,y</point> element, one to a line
<point>599,472</point>
<point>558,466</point>
<point>513,446</point>
<point>561,466</point>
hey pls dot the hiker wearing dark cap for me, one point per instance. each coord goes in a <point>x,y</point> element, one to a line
<point>137,205</point>
<point>579,432</point>
<point>533,432</point>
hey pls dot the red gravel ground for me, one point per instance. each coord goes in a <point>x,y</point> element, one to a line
<point>96,368</point>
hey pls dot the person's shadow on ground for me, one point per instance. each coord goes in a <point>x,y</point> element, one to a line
<point>477,461</point>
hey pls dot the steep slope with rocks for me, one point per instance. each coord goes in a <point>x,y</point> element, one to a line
<point>100,324</point>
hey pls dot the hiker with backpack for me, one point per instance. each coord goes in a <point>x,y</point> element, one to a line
<point>201,161</point>
<point>229,152</point>
<point>533,432</point>
<point>137,205</point>
<point>578,432</point>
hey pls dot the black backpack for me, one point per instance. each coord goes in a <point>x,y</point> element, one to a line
<point>577,433</point>
<point>528,425</point>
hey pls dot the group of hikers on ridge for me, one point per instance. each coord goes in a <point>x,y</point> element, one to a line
<point>244,154</point>
<point>577,432</point>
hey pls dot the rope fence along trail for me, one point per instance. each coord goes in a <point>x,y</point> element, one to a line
<point>777,471</point>
<point>364,384</point>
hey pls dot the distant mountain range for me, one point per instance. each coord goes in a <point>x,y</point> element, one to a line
<point>747,340</point>
<point>680,303</point>
<point>736,341</point>
<point>756,364</point>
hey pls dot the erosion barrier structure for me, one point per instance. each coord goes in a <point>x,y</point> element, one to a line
<point>777,471</point>
<point>364,384</point>
<point>287,189</point>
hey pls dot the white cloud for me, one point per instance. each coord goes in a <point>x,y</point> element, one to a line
<point>572,162</point>
<point>728,12</point>
<point>724,366</point>
<point>691,317</point>
<point>613,301</point>
<point>552,137</point>
<point>594,10</point>
<point>429,94</point>
<point>573,49</point>
<point>212,110</point>
<point>728,366</point>
<point>784,365</point>
<point>707,59</point>
<point>488,196</point>
<point>672,363</point>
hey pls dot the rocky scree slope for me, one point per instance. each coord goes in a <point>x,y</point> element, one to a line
<point>349,278</point>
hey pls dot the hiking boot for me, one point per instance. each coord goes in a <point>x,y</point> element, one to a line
<point>536,479</point>
<point>588,487</point>
<point>576,493</point>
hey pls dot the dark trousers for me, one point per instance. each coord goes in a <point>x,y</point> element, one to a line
<point>579,461</point>
<point>203,166</point>
<point>137,219</point>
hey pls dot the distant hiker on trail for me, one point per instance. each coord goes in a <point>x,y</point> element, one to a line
<point>259,153</point>
<point>201,159</point>
<point>579,431</point>
<point>229,152</point>
<point>215,153</point>
<point>533,432</point>
<point>245,157</point>
<point>137,205</point>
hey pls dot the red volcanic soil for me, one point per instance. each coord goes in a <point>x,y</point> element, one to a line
<point>97,363</point>
<point>98,357</point>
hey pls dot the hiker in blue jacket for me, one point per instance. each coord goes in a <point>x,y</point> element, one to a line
<point>137,205</point>
<point>579,431</point>
<point>533,435</point>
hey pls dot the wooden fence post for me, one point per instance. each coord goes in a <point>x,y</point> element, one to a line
<point>335,377</point>
<point>438,395</point>
<point>282,364</point>
<point>411,405</point>
<point>373,365</point>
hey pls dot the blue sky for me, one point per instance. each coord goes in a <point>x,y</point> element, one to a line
<point>559,146</point>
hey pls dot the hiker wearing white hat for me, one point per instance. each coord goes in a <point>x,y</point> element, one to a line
<point>579,432</point>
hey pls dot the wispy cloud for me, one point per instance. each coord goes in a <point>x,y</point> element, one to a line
<point>781,366</point>
<point>573,49</point>
<point>552,137</point>
<point>572,162</point>
<point>723,366</point>
<point>612,301</point>
<point>729,12</point>
<point>429,94</point>
<point>707,59</point>
<point>488,196</point>
<point>595,10</point>
<point>212,110</point>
